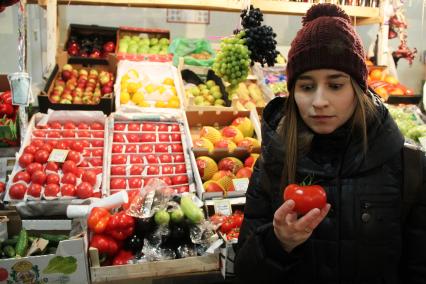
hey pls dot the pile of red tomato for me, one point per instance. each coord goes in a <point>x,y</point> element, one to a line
<point>229,225</point>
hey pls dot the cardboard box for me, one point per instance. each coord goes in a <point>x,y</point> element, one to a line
<point>144,32</point>
<point>218,119</point>
<point>106,103</point>
<point>105,34</point>
<point>9,132</point>
<point>41,269</point>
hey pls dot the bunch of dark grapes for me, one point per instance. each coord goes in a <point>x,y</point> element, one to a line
<point>253,18</point>
<point>260,39</point>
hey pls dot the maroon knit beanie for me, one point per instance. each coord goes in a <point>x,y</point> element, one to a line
<point>327,40</point>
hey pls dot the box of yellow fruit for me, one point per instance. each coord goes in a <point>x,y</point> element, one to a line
<point>147,85</point>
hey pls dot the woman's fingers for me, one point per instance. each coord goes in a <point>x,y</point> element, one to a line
<point>282,212</point>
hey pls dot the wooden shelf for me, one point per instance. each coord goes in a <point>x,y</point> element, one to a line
<point>360,15</point>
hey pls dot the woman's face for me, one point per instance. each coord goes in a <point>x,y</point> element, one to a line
<point>325,99</point>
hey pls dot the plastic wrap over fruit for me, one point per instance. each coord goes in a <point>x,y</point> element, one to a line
<point>153,252</point>
<point>203,233</point>
<point>186,250</point>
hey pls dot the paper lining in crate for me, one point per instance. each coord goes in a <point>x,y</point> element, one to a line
<point>148,145</point>
<point>61,160</point>
<point>141,85</point>
<point>207,140</point>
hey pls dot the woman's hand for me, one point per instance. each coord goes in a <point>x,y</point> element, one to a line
<point>292,231</point>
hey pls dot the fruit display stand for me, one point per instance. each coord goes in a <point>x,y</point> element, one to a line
<point>143,85</point>
<point>80,88</point>
<point>60,162</point>
<point>142,44</point>
<point>208,141</point>
<point>90,42</point>
<point>148,145</point>
<point>272,80</point>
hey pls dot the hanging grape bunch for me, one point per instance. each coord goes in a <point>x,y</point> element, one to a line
<point>233,61</point>
<point>260,39</point>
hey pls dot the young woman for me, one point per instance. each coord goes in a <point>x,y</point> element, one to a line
<point>334,130</point>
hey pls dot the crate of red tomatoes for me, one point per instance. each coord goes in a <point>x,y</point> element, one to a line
<point>62,158</point>
<point>148,145</point>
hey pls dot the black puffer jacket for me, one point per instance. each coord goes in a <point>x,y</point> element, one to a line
<point>361,240</point>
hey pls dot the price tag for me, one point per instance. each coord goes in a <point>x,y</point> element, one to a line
<point>422,141</point>
<point>20,84</point>
<point>241,184</point>
<point>222,206</point>
<point>3,169</point>
<point>58,155</point>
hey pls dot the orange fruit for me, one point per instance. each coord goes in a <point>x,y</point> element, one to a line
<point>382,92</point>
<point>376,74</point>
<point>391,80</point>
<point>396,92</point>
<point>369,63</point>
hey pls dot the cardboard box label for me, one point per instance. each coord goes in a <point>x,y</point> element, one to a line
<point>222,206</point>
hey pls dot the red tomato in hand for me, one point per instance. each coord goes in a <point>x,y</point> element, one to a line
<point>84,190</point>
<point>305,197</point>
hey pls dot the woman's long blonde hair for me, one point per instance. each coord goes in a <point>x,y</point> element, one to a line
<point>297,137</point>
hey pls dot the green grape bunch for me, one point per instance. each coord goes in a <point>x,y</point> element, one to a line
<point>233,61</point>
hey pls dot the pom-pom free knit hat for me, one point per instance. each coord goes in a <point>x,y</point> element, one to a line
<point>327,40</point>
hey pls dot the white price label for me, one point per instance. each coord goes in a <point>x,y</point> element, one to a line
<point>240,184</point>
<point>20,84</point>
<point>222,206</point>
<point>422,141</point>
<point>58,155</point>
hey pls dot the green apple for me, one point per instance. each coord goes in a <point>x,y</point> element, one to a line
<point>126,37</point>
<point>133,49</point>
<point>123,48</point>
<point>142,50</point>
<point>154,50</point>
<point>219,102</point>
<point>153,41</point>
<point>210,84</point>
<point>145,41</point>
<point>164,41</point>
<point>123,41</point>
<point>195,91</point>
<point>205,93</point>
<point>198,100</point>
<point>202,87</point>
<point>136,38</point>
<point>162,217</point>
<point>215,88</point>
<point>210,98</point>
<point>206,103</point>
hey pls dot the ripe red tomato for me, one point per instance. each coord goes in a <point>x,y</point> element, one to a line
<point>30,149</point>
<point>305,197</point>
<point>55,125</point>
<point>238,218</point>
<point>47,147</point>
<point>135,182</point>
<point>119,159</point>
<point>82,125</point>
<point>117,137</point>
<point>52,178</point>
<point>119,126</point>
<point>175,128</point>
<point>90,177</point>
<point>180,179</point>
<point>163,128</point>
<point>52,166</point>
<point>53,134</point>
<point>96,126</point>
<point>228,225</point>
<point>177,148</point>
<point>165,158</point>
<point>84,190</point>
<point>2,187</point>
<point>38,177</point>
<point>148,127</point>
<point>3,274</point>
<point>134,159</point>
<point>176,137</point>
<point>167,180</point>
<point>147,137</point>
<point>163,137</point>
<point>151,159</point>
<point>233,234</point>
<point>77,146</point>
<point>98,134</point>
<point>34,190</point>
<point>118,183</point>
<point>73,156</point>
<point>24,176</point>
<point>25,160</point>
<point>80,172</point>
<point>69,167</point>
<point>51,190</point>
<point>118,170</point>
<point>84,164</point>
<point>132,138</point>
<point>133,127</point>
<point>62,145</point>
<point>69,125</point>
<point>161,148</point>
<point>69,178</point>
<point>41,156</point>
<point>182,189</point>
<point>131,148</point>
<point>180,169</point>
<point>84,134</point>
<point>97,152</point>
<point>146,148</point>
<point>53,143</point>
<point>39,133</point>
<point>31,168</point>
<point>97,143</point>
<point>68,190</point>
<point>179,158</point>
<point>153,170</point>
<point>96,162</point>
<point>17,191</point>
<point>37,143</point>
<point>136,170</point>
<point>117,148</point>
<point>68,133</point>
<point>167,170</point>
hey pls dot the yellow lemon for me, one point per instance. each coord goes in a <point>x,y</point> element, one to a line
<point>124,97</point>
<point>124,85</point>
<point>143,103</point>
<point>149,88</point>
<point>132,73</point>
<point>132,87</point>
<point>125,78</point>
<point>173,89</point>
<point>161,89</point>
<point>173,104</point>
<point>160,104</point>
<point>169,81</point>
<point>138,97</point>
